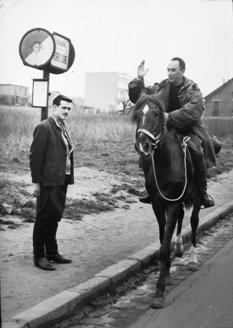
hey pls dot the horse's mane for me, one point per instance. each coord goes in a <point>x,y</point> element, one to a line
<point>145,99</point>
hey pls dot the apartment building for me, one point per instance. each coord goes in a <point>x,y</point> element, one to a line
<point>14,95</point>
<point>104,90</point>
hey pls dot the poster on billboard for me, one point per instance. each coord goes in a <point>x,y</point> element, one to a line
<point>61,55</point>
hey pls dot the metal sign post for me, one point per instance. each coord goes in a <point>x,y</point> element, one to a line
<point>44,110</point>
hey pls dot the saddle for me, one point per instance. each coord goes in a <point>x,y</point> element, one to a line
<point>190,167</point>
<point>215,142</point>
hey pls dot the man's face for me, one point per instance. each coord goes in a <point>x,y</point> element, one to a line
<point>175,75</point>
<point>62,111</point>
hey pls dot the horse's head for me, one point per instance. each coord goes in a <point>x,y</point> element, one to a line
<point>149,116</point>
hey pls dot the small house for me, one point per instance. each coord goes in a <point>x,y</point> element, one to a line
<point>220,101</point>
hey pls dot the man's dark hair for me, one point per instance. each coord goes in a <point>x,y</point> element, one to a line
<point>57,100</point>
<point>181,62</point>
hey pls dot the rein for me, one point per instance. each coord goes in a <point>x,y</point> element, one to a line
<point>157,141</point>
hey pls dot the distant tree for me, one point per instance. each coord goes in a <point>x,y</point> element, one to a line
<point>124,100</point>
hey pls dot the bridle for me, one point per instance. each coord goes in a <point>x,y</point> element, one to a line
<point>157,142</point>
<point>156,138</point>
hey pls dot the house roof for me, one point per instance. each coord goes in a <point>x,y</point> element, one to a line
<point>219,89</point>
<point>15,85</point>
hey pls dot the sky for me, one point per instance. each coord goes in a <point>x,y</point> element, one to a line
<point>115,35</point>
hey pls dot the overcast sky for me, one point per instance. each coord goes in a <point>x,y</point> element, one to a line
<point>115,35</point>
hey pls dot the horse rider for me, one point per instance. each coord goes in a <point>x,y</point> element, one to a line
<point>183,103</point>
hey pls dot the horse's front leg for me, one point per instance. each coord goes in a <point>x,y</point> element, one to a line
<point>160,213</point>
<point>172,214</point>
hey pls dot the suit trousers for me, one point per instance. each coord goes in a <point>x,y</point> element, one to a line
<point>49,210</point>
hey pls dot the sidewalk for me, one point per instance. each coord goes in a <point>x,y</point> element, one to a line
<point>204,298</point>
<point>199,299</point>
<point>65,302</point>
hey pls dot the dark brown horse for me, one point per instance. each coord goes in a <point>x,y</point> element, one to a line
<point>170,182</point>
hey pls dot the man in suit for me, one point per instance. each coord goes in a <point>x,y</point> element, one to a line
<point>51,164</point>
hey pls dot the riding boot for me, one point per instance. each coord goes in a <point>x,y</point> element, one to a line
<point>145,198</point>
<point>206,200</point>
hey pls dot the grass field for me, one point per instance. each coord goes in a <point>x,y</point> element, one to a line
<point>222,127</point>
<point>105,142</point>
<point>93,135</point>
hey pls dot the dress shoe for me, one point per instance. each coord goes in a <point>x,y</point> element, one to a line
<point>58,258</point>
<point>145,198</point>
<point>44,264</point>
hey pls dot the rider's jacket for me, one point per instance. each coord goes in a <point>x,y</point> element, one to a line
<point>187,117</point>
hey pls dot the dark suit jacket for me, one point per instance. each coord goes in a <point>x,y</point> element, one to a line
<point>48,155</point>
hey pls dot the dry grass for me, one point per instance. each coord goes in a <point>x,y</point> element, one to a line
<point>219,126</point>
<point>91,134</point>
<point>102,141</point>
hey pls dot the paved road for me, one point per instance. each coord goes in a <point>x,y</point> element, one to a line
<point>203,299</point>
<point>199,299</point>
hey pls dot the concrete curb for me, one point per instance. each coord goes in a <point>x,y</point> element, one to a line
<point>64,304</point>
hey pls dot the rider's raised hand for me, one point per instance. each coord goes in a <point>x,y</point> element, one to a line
<point>141,70</point>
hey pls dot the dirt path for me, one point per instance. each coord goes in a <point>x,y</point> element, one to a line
<point>94,243</point>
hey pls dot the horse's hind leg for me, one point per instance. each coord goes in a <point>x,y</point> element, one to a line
<point>160,214</point>
<point>178,247</point>
<point>193,263</point>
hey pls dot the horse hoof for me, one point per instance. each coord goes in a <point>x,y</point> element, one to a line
<point>158,303</point>
<point>193,266</point>
<point>179,250</point>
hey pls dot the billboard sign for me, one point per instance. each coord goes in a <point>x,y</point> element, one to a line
<point>41,49</point>
<point>60,59</point>
<point>36,48</point>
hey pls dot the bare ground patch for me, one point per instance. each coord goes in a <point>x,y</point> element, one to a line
<point>103,223</point>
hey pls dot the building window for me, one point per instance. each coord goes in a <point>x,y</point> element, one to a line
<point>216,108</point>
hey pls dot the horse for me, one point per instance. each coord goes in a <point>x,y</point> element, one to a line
<point>169,181</point>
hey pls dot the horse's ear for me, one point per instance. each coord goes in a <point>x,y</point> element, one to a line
<point>160,100</point>
<point>157,94</point>
<point>162,103</point>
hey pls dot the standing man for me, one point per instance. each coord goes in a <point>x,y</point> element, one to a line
<point>183,103</point>
<point>51,164</point>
